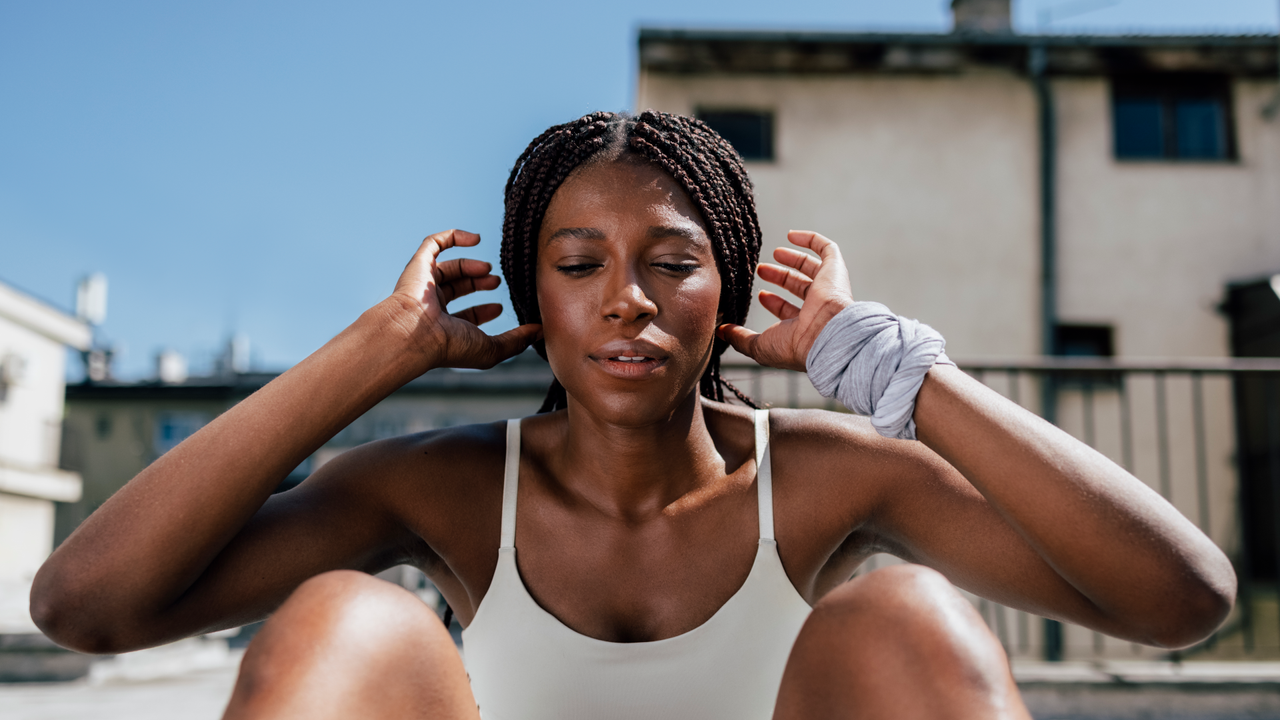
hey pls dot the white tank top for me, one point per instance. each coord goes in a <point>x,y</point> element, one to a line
<point>527,665</point>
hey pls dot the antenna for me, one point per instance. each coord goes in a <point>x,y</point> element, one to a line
<point>91,299</point>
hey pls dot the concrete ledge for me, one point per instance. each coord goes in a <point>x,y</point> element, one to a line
<point>35,658</point>
<point>1142,690</point>
<point>1130,672</point>
<point>44,319</point>
<point>41,483</point>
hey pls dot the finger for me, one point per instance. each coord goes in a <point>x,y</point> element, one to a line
<point>417,273</point>
<point>451,270</point>
<point>466,286</point>
<point>804,262</point>
<point>825,247</point>
<point>513,342</point>
<point>778,305</point>
<point>479,314</point>
<point>792,281</point>
<point>739,338</point>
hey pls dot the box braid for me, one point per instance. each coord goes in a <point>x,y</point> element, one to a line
<point>702,162</point>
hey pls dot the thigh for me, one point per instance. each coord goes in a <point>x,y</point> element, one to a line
<point>899,643</point>
<point>348,645</point>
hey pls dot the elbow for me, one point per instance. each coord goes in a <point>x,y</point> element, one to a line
<point>62,613</point>
<point>1194,612</point>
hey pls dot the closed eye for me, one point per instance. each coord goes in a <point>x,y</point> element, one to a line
<point>577,268</point>
<point>682,268</point>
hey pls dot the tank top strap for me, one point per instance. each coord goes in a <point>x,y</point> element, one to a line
<point>764,474</point>
<point>510,483</point>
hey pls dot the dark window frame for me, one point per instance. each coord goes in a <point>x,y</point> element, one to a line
<point>769,139</point>
<point>1168,89</point>
<point>1084,340</point>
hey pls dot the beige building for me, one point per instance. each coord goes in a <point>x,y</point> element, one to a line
<point>1028,196</point>
<point>33,349</point>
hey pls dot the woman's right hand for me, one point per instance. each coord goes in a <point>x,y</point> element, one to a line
<point>418,307</point>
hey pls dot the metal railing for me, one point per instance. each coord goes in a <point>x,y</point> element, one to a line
<point>1205,434</point>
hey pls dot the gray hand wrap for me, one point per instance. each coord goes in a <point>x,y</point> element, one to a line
<point>874,362</point>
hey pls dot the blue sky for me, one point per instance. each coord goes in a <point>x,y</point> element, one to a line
<point>268,167</point>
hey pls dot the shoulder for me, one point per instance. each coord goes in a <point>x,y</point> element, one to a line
<point>836,465</point>
<point>832,443</point>
<point>437,483</point>
<point>441,457</point>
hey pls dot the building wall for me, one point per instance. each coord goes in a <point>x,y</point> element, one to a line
<point>108,442</point>
<point>32,337</point>
<point>31,409</point>
<point>1149,246</point>
<point>929,185</point>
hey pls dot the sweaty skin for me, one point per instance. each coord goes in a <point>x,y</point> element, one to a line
<point>637,504</point>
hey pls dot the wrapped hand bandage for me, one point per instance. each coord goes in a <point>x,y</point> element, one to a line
<point>874,362</point>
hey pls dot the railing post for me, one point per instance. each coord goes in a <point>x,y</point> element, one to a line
<point>1053,641</point>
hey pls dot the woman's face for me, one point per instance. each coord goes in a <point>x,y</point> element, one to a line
<point>628,290</point>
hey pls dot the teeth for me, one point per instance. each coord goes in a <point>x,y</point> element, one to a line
<point>631,358</point>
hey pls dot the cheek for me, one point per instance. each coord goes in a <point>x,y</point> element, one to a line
<point>695,306</point>
<point>561,313</point>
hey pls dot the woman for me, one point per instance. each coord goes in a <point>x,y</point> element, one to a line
<point>671,545</point>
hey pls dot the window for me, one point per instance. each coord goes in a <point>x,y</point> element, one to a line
<point>750,132</point>
<point>172,428</point>
<point>1084,340</point>
<point>1172,117</point>
<point>102,426</point>
<point>1095,341</point>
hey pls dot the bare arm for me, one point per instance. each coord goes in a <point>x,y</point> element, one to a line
<point>1019,511</point>
<point>1141,570</point>
<point>131,575</point>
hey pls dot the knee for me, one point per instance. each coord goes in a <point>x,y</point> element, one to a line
<point>365,618</point>
<point>898,592</point>
<point>913,613</point>
<point>344,639</point>
<point>897,642</point>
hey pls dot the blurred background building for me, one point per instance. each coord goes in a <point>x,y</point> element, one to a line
<point>34,338</point>
<point>114,429</point>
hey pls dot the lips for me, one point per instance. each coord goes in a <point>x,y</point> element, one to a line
<point>630,359</point>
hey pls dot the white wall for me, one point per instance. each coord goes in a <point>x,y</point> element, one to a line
<point>1149,246</point>
<point>31,410</point>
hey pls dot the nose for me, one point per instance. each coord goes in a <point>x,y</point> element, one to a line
<point>626,300</point>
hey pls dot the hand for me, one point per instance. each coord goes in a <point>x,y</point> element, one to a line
<point>821,283</point>
<point>426,287</point>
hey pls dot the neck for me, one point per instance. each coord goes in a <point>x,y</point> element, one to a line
<point>638,472</point>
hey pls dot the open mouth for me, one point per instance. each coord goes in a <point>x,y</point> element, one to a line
<point>631,358</point>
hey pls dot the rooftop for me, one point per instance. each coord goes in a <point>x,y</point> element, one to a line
<point>702,51</point>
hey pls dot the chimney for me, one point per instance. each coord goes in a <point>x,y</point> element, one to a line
<point>981,16</point>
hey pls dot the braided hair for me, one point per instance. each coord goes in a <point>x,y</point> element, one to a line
<point>704,164</point>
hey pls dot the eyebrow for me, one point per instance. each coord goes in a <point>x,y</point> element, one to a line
<point>577,233</point>
<point>655,232</point>
<point>690,233</point>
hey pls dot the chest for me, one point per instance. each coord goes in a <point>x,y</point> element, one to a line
<point>636,581</point>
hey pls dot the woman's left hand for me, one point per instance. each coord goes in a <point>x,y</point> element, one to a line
<point>821,283</point>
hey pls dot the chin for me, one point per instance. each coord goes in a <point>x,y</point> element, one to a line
<point>637,408</point>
